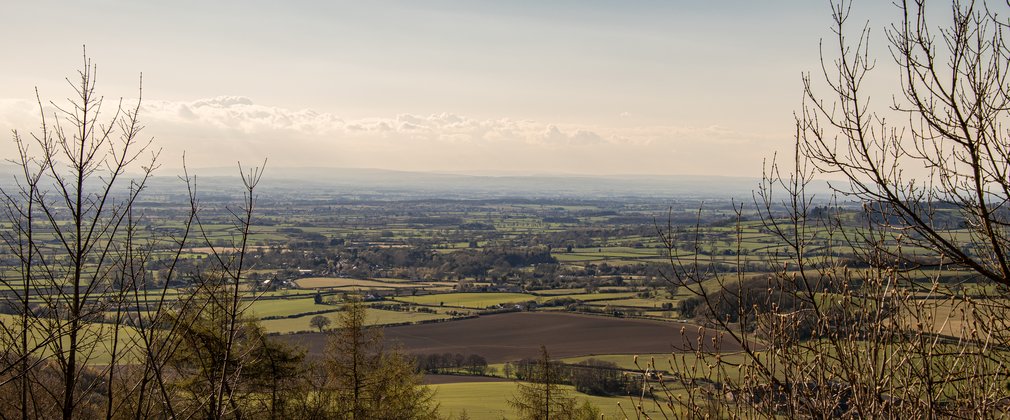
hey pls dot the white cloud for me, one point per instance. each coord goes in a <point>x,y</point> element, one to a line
<point>218,131</point>
<point>223,102</point>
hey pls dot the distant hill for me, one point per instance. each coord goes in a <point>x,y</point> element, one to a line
<point>455,185</point>
<point>375,183</point>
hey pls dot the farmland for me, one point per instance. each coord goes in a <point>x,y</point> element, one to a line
<point>419,260</point>
<point>519,335</point>
<point>494,278</point>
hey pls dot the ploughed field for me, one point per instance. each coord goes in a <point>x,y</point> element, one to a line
<point>517,335</point>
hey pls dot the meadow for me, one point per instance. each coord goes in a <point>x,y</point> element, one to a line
<point>489,401</point>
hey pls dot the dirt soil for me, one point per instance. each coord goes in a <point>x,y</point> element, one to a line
<point>518,335</point>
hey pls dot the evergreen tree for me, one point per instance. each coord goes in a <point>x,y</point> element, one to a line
<point>369,381</point>
<point>255,375</point>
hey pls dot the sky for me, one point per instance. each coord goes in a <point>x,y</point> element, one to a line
<point>514,87</point>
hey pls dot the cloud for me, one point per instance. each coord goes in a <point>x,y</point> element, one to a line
<point>15,112</point>
<point>220,130</point>
<point>556,136</point>
<point>223,102</point>
<point>240,115</point>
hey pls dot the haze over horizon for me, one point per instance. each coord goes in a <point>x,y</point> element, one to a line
<point>577,88</point>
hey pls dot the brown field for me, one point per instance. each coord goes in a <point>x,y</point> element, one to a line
<point>517,335</point>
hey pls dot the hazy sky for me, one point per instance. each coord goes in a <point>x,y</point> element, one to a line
<point>582,86</point>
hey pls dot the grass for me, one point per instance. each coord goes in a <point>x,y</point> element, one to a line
<point>285,307</point>
<point>372,317</point>
<point>625,361</point>
<point>662,361</point>
<point>94,336</point>
<point>589,297</point>
<point>558,292</point>
<point>489,401</point>
<point>638,303</point>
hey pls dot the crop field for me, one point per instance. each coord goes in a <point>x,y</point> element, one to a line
<point>518,335</point>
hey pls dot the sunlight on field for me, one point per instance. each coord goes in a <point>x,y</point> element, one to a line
<point>638,303</point>
<point>489,401</point>
<point>99,334</point>
<point>285,307</point>
<point>373,317</point>
<point>589,297</point>
<point>661,361</point>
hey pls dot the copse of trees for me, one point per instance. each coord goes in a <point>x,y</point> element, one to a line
<point>598,377</point>
<point>591,376</point>
<point>451,363</point>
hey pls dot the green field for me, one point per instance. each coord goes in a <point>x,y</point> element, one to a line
<point>489,401</point>
<point>589,297</point>
<point>98,334</point>
<point>637,303</point>
<point>373,317</point>
<point>558,292</point>
<point>284,307</point>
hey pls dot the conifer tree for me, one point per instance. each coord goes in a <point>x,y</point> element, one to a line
<point>371,382</point>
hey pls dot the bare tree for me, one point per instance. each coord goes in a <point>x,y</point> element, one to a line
<point>96,328</point>
<point>891,298</point>
<point>543,397</point>
<point>70,209</point>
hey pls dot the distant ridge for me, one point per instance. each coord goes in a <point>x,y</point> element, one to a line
<point>406,184</point>
<point>463,185</point>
